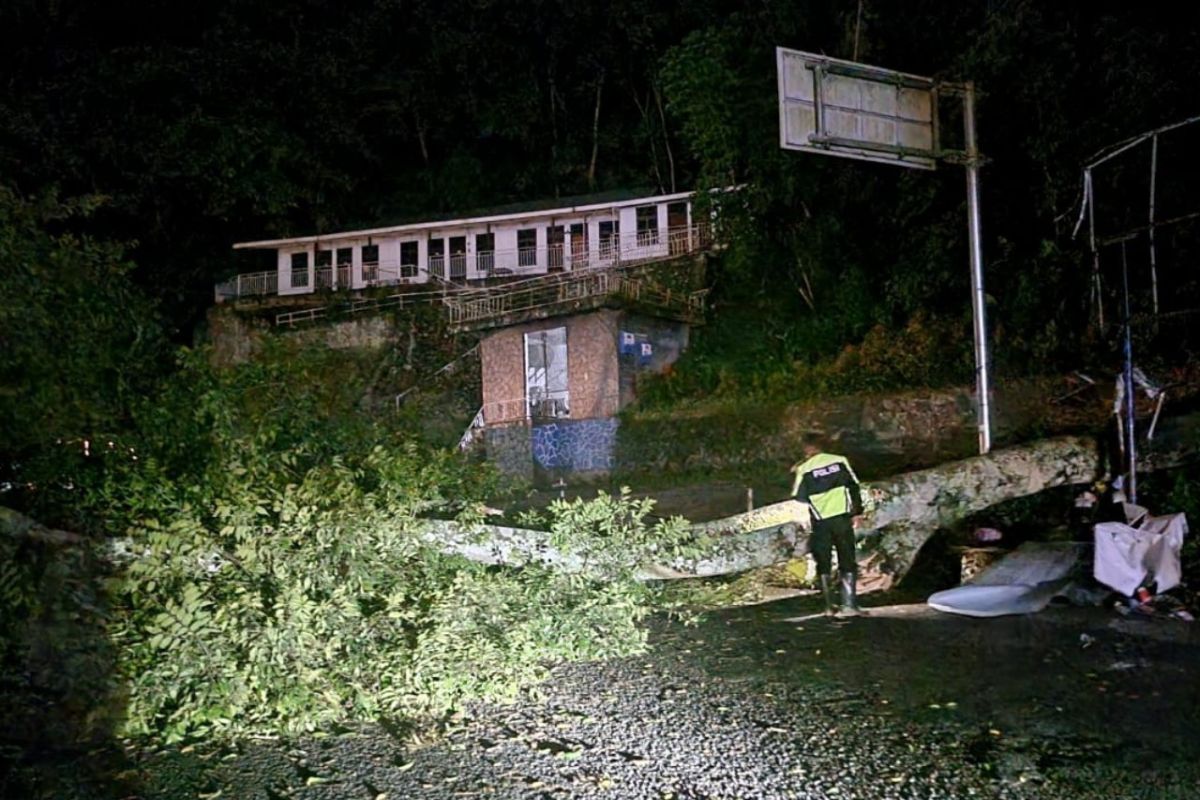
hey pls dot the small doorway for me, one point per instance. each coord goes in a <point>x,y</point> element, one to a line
<point>458,258</point>
<point>677,227</point>
<point>437,258</point>
<point>554,247</point>
<point>579,245</point>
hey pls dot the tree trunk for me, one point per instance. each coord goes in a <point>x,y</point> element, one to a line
<point>553,132</point>
<point>905,511</point>
<point>662,118</point>
<point>591,174</point>
<point>644,110</point>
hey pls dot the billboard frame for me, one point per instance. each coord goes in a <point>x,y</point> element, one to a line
<point>819,140</point>
<point>864,149</point>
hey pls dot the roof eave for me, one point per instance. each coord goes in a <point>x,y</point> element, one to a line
<point>445,223</point>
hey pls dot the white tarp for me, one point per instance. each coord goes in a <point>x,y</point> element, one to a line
<point>1023,582</point>
<point>1126,556</point>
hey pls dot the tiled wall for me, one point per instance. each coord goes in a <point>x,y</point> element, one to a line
<point>575,445</point>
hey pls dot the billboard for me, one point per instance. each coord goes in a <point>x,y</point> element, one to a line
<point>856,111</point>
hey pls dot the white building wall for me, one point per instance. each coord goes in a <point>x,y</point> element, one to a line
<point>506,246</point>
<point>504,232</point>
<point>593,225</point>
<point>356,281</point>
<point>628,219</point>
<point>422,260</point>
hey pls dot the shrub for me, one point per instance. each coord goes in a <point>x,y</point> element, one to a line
<point>278,580</point>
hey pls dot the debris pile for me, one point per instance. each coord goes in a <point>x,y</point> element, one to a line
<point>1135,559</point>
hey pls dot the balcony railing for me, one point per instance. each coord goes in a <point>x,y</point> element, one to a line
<point>324,278</point>
<point>617,250</point>
<point>251,284</point>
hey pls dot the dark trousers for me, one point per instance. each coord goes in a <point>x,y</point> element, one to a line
<point>829,533</point>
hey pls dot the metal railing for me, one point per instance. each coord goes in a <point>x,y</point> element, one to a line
<point>362,305</point>
<point>626,248</point>
<point>518,409</point>
<point>324,278</point>
<point>472,432</point>
<point>251,284</point>
<point>570,289</point>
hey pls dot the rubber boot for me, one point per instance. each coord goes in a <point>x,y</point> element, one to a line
<point>827,594</point>
<point>849,597</point>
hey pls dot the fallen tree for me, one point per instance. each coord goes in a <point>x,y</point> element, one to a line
<point>904,512</point>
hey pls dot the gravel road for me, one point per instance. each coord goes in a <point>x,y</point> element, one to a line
<point>771,702</point>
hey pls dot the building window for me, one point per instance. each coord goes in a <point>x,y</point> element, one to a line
<point>299,270</point>
<point>370,262</point>
<point>485,252</point>
<point>408,259</point>
<point>546,374</point>
<point>527,247</point>
<point>647,226</point>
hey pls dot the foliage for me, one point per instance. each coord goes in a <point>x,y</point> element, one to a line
<point>78,343</point>
<point>823,250</point>
<point>278,579</point>
<point>260,499</point>
<point>1184,498</point>
<point>609,535</point>
<point>56,663</point>
<point>236,121</point>
<point>925,352</point>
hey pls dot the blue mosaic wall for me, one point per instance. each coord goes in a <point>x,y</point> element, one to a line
<point>583,445</point>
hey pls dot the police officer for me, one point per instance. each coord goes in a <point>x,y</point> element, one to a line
<point>830,488</point>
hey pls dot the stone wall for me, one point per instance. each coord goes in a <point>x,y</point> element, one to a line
<point>574,446</point>
<point>510,449</point>
<point>237,337</point>
<point>546,451</point>
<point>885,434</point>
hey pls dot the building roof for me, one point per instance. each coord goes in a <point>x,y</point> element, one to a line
<point>558,206</point>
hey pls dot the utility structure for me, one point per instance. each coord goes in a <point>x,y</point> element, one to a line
<point>1114,162</point>
<point>852,110</point>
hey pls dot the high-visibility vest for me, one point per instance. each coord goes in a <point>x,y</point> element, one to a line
<point>829,486</point>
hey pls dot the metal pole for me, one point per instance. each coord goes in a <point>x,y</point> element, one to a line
<point>1096,286</point>
<point>1153,255</point>
<point>1130,438</point>
<point>977,295</point>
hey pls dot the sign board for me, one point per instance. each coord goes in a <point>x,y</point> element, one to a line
<point>856,111</point>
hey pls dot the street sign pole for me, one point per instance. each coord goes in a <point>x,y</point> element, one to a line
<point>978,298</point>
<point>851,110</point>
